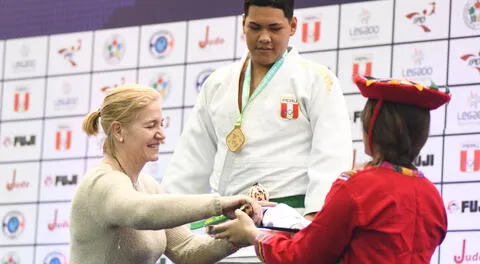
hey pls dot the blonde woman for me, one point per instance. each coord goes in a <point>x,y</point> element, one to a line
<point>121,216</point>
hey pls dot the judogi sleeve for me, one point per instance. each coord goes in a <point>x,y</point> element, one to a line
<point>323,241</point>
<point>331,152</point>
<point>192,162</point>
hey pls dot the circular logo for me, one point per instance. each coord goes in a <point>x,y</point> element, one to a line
<point>13,224</point>
<point>202,77</point>
<point>471,14</point>
<point>11,258</point>
<point>161,44</point>
<point>114,49</point>
<point>48,181</point>
<point>162,83</point>
<point>452,207</point>
<point>55,258</point>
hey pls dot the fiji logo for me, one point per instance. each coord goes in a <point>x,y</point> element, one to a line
<point>69,53</point>
<point>114,49</point>
<point>13,224</point>
<point>420,18</point>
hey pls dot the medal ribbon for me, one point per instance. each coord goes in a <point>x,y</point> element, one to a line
<point>246,98</point>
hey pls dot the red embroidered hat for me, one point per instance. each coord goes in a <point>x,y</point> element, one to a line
<point>401,91</point>
<point>398,91</point>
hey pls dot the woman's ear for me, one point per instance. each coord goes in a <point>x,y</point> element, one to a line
<point>117,131</point>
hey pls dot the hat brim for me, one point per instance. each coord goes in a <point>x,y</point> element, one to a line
<point>401,91</point>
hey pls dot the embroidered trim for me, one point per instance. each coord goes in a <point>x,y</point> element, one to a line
<point>402,170</point>
<point>258,246</point>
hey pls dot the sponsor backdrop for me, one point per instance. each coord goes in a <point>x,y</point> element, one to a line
<point>48,83</point>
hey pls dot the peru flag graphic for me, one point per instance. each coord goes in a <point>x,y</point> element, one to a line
<point>311,31</point>
<point>21,101</point>
<point>362,68</point>
<point>470,160</point>
<point>63,140</point>
<point>289,108</point>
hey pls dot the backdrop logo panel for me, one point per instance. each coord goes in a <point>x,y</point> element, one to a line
<point>50,82</point>
<point>25,57</point>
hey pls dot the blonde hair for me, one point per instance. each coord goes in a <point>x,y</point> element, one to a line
<point>123,105</point>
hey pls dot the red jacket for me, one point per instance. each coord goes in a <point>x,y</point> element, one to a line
<point>381,214</point>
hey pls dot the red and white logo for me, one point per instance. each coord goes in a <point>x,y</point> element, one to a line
<point>470,160</point>
<point>208,41</point>
<point>362,65</point>
<point>289,108</point>
<point>63,139</point>
<point>16,184</point>
<point>466,256</point>
<point>419,18</point>
<point>69,53</point>
<point>55,224</point>
<point>311,29</point>
<point>21,100</point>
<point>473,60</point>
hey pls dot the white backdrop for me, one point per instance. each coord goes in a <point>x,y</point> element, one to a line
<point>48,84</point>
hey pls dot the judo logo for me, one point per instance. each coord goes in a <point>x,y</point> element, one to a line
<point>10,258</point>
<point>55,258</point>
<point>207,41</point>
<point>162,83</point>
<point>13,224</point>
<point>63,139</point>
<point>21,99</point>
<point>69,53</point>
<point>289,108</point>
<point>311,29</point>
<point>202,77</point>
<point>114,49</point>
<point>362,65</point>
<point>471,14</point>
<point>161,44</point>
<point>473,60</point>
<point>420,18</point>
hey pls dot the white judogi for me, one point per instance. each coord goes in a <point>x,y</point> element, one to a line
<point>301,150</point>
<point>300,153</point>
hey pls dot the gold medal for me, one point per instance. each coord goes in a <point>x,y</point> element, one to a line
<point>235,139</point>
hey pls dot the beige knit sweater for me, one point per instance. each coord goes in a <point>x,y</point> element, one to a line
<point>113,223</point>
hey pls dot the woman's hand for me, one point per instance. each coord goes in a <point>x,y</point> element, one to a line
<point>231,203</point>
<point>241,231</point>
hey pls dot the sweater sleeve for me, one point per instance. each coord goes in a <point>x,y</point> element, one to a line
<point>183,247</point>
<point>323,241</point>
<point>114,202</point>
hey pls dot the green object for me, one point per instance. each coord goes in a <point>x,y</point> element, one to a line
<point>295,201</point>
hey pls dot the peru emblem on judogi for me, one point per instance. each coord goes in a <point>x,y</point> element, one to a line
<point>289,107</point>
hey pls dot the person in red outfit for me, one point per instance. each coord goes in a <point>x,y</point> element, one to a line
<point>385,212</point>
